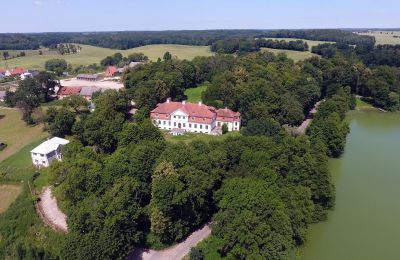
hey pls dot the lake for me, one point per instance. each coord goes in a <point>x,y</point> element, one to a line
<point>365,223</point>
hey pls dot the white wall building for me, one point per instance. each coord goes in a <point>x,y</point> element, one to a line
<point>195,118</point>
<point>46,152</point>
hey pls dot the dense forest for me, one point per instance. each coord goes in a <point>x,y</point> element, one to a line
<point>127,40</point>
<point>235,45</point>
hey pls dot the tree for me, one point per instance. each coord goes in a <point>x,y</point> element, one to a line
<point>57,66</point>
<point>224,129</point>
<point>167,56</point>
<point>6,55</point>
<point>59,122</point>
<point>77,103</point>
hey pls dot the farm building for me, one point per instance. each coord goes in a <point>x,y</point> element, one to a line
<point>89,77</point>
<point>111,71</point>
<point>46,152</point>
<point>87,92</point>
<point>195,118</point>
<point>17,71</point>
<point>68,91</point>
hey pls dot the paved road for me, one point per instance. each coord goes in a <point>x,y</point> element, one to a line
<point>50,212</point>
<point>176,252</point>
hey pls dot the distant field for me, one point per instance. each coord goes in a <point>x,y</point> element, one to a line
<point>194,94</point>
<point>309,42</point>
<point>8,193</point>
<point>15,133</point>
<point>295,55</point>
<point>383,37</point>
<point>92,54</point>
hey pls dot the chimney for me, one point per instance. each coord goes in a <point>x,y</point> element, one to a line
<point>200,103</point>
<point>184,102</point>
<point>168,100</point>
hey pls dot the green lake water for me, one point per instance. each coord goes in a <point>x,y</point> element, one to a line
<point>365,223</point>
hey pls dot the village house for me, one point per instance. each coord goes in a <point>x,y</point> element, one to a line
<point>46,152</point>
<point>89,77</point>
<point>17,71</point>
<point>87,92</point>
<point>111,71</point>
<point>180,117</point>
<point>64,92</point>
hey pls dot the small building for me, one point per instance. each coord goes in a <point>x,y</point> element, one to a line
<point>134,64</point>
<point>17,71</point>
<point>89,77</point>
<point>48,151</point>
<point>2,95</point>
<point>26,75</point>
<point>64,92</point>
<point>111,71</point>
<point>87,92</point>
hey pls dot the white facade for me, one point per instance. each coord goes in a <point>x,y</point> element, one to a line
<point>46,152</point>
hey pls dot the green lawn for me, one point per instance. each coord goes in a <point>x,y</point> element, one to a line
<point>15,133</point>
<point>92,54</point>
<point>384,37</point>
<point>294,55</point>
<point>194,94</point>
<point>190,137</point>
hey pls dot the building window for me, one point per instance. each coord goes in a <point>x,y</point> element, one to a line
<point>174,123</point>
<point>236,123</point>
<point>195,125</point>
<point>174,116</point>
<point>192,118</point>
<point>219,123</point>
<point>190,125</point>
<point>169,123</point>
<point>159,122</point>
<point>204,119</point>
<point>154,121</point>
<point>206,126</point>
<point>183,117</point>
<point>184,125</point>
<point>163,122</point>
<point>201,126</point>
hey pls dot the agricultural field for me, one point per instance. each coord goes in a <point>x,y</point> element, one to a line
<point>15,133</point>
<point>294,55</point>
<point>91,54</point>
<point>8,194</point>
<point>309,42</point>
<point>194,94</point>
<point>384,37</point>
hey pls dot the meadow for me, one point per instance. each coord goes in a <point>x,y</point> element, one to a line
<point>8,194</point>
<point>384,37</point>
<point>91,54</point>
<point>15,133</point>
<point>194,94</point>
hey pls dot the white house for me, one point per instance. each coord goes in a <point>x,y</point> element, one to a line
<point>195,118</point>
<point>46,152</point>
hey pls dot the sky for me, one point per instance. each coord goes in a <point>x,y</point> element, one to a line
<point>140,15</point>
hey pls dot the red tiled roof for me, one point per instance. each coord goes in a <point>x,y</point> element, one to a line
<point>111,70</point>
<point>197,113</point>
<point>17,71</point>
<point>227,115</point>
<point>66,91</point>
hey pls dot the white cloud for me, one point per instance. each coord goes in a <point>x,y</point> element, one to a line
<point>37,2</point>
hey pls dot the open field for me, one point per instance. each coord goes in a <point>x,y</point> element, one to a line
<point>15,133</point>
<point>8,193</point>
<point>295,55</point>
<point>384,37</point>
<point>91,54</point>
<point>194,94</point>
<point>309,42</point>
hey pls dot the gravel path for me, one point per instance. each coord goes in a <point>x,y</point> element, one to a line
<point>50,212</point>
<point>176,252</point>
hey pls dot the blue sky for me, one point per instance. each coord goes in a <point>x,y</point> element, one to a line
<point>111,15</point>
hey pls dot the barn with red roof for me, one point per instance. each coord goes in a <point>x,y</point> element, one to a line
<point>68,91</point>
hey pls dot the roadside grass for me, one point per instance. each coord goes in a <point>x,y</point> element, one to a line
<point>15,133</point>
<point>384,37</point>
<point>190,137</point>
<point>91,54</point>
<point>209,247</point>
<point>294,55</point>
<point>194,94</point>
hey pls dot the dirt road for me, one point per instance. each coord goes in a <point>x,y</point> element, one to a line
<point>50,213</point>
<point>176,252</point>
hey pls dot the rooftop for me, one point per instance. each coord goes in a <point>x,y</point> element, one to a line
<point>50,145</point>
<point>69,91</point>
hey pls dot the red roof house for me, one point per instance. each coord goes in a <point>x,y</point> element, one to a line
<point>111,70</point>
<point>17,71</point>
<point>68,91</point>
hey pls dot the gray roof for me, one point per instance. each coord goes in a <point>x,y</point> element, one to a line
<point>134,64</point>
<point>88,91</point>
<point>89,76</point>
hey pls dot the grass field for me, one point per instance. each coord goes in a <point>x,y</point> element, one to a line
<point>8,194</point>
<point>294,55</point>
<point>383,37</point>
<point>309,42</point>
<point>194,94</point>
<point>190,137</point>
<point>15,133</point>
<point>92,54</point>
